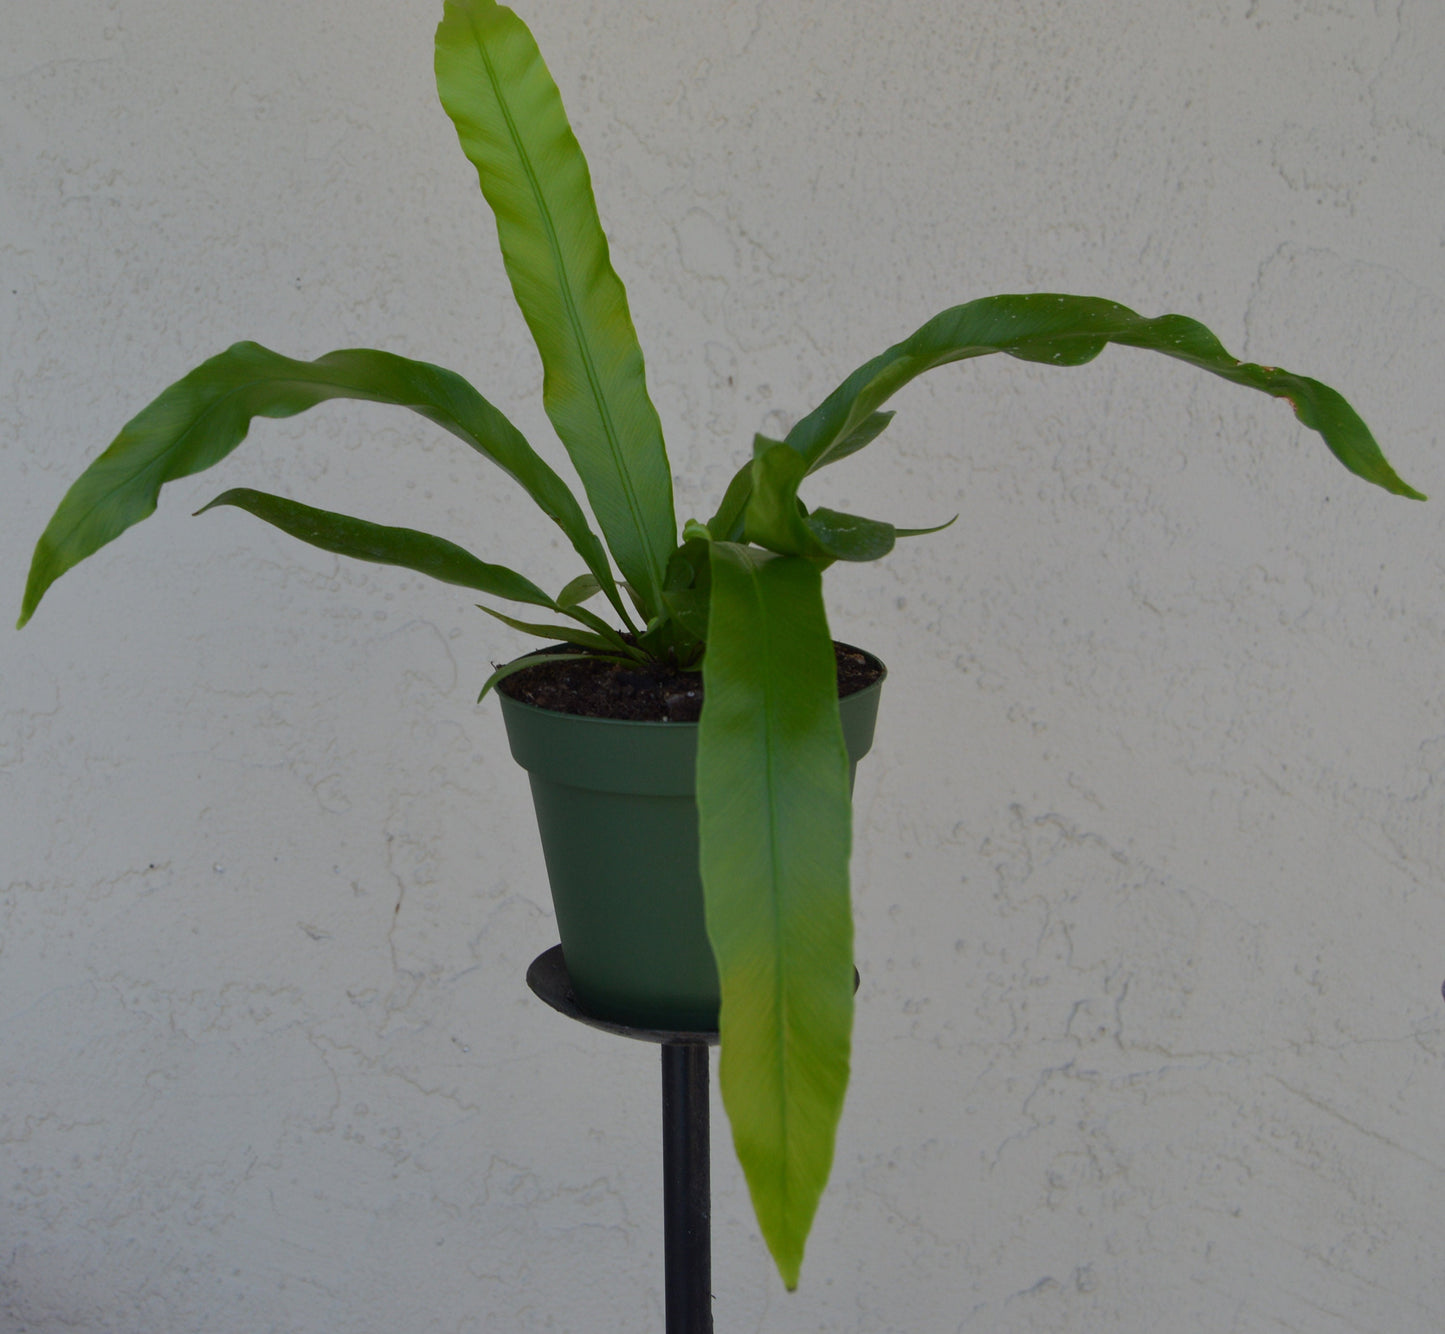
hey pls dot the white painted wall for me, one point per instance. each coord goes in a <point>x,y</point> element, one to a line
<point>1148,882</point>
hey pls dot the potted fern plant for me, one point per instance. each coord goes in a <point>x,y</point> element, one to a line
<point>723,620</point>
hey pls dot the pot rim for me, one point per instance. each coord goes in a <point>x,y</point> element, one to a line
<point>510,703</point>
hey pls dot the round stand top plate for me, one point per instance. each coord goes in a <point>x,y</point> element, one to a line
<point>548,978</point>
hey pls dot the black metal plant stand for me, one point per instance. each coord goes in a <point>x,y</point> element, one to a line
<point>686,1187</point>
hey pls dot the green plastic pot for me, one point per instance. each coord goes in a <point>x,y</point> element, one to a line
<point>616,812</point>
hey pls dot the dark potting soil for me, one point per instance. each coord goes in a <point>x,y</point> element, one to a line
<point>597,688</point>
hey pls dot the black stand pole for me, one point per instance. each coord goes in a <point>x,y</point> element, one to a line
<point>686,1199</point>
<point>686,1183</point>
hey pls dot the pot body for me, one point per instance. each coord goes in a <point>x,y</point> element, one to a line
<point>618,820</point>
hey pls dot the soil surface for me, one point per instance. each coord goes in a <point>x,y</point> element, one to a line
<point>597,688</point>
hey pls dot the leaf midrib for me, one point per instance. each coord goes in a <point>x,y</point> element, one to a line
<point>780,996</point>
<point>584,351</point>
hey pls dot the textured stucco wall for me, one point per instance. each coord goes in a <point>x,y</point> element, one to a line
<point>1150,921</point>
